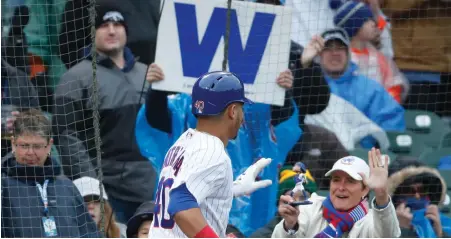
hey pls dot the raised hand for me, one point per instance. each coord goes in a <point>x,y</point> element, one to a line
<point>314,48</point>
<point>404,216</point>
<point>378,170</point>
<point>378,179</point>
<point>245,184</point>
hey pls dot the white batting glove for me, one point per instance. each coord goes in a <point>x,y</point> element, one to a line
<point>245,183</point>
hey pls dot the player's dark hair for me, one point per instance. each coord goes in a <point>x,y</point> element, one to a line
<point>215,117</point>
<point>219,115</point>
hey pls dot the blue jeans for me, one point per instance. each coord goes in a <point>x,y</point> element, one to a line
<point>123,210</point>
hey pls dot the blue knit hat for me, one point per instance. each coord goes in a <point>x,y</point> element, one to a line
<point>335,4</point>
<point>351,16</point>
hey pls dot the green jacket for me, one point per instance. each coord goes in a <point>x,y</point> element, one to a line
<point>42,34</point>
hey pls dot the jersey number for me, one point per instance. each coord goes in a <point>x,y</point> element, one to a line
<point>161,204</point>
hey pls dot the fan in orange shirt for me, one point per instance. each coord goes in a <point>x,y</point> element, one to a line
<point>362,26</point>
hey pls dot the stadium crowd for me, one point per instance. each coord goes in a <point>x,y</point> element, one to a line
<point>362,74</point>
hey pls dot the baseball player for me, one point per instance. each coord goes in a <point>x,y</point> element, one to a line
<point>300,180</point>
<point>196,184</point>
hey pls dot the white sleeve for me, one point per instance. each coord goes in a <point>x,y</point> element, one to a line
<point>306,220</point>
<point>303,221</point>
<point>385,222</point>
<point>203,172</point>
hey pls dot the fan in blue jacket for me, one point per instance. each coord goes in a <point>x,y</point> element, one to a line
<point>165,117</point>
<point>367,95</point>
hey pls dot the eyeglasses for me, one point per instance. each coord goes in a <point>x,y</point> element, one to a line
<point>34,147</point>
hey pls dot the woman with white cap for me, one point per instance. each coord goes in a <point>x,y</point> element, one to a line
<point>345,212</point>
<point>89,189</point>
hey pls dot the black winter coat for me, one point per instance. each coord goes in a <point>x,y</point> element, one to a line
<point>23,210</point>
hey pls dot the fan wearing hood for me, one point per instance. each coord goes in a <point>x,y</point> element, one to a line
<point>417,192</point>
<point>362,27</point>
<point>310,17</point>
<point>372,104</point>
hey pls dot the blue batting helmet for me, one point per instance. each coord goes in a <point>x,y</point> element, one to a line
<point>214,91</point>
<point>301,166</point>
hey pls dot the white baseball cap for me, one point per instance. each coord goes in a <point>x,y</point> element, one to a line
<point>88,186</point>
<point>351,165</point>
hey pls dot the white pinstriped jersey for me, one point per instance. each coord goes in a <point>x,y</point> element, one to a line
<point>200,161</point>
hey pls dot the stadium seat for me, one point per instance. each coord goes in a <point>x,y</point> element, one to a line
<point>392,156</point>
<point>426,125</point>
<point>432,158</point>
<point>407,144</point>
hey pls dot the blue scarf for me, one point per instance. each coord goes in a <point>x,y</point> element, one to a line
<point>416,204</point>
<point>423,226</point>
<point>340,222</point>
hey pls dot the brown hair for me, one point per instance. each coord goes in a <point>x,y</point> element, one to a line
<point>32,122</point>
<point>112,229</point>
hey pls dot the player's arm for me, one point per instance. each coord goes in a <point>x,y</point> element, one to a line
<point>157,102</point>
<point>193,224</point>
<point>187,214</point>
<point>203,173</point>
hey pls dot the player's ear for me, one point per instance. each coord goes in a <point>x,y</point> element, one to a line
<point>234,110</point>
<point>229,111</point>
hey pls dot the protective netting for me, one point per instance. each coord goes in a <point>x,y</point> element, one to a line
<point>41,40</point>
<point>397,99</point>
<point>408,117</point>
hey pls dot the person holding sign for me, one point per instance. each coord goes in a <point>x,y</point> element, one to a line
<point>127,176</point>
<point>37,201</point>
<point>196,187</point>
<point>165,117</point>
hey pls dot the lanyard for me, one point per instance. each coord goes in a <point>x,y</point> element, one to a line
<point>43,192</point>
